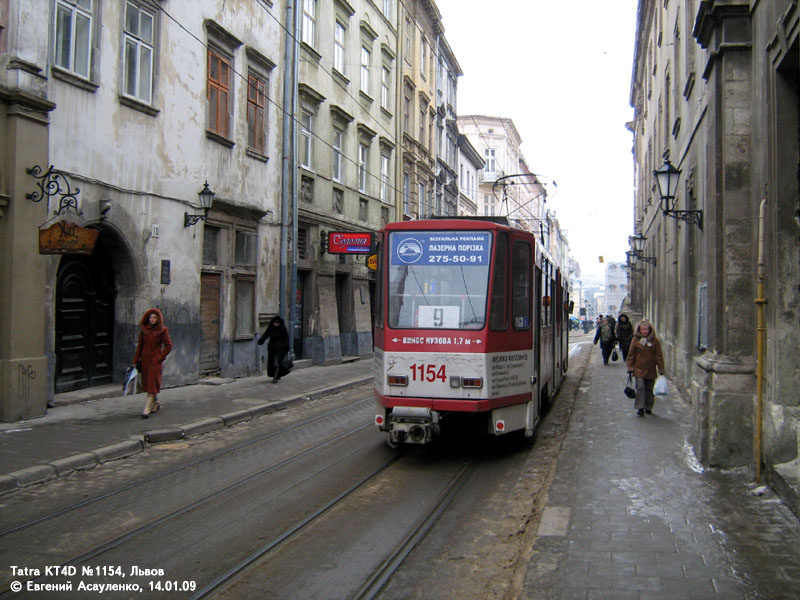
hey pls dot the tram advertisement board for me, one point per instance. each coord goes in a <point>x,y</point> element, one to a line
<point>424,248</point>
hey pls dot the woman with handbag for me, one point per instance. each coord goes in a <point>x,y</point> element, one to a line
<point>153,347</point>
<point>277,348</point>
<point>605,335</point>
<point>646,362</point>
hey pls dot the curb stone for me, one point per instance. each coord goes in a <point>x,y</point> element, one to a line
<point>65,466</point>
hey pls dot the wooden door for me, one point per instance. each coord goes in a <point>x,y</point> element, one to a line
<point>84,322</point>
<point>209,321</point>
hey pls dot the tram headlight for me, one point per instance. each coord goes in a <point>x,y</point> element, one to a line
<point>472,382</point>
<point>397,380</point>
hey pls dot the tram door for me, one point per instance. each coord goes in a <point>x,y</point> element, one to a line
<point>84,341</point>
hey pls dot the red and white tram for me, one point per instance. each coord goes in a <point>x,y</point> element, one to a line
<point>471,329</point>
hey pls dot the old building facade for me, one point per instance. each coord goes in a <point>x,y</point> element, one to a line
<point>135,108</point>
<point>715,85</point>
<point>347,155</point>
<point>293,114</point>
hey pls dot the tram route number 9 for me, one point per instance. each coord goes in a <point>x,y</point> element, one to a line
<point>428,373</point>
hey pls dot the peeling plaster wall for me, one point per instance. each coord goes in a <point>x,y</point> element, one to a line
<point>151,163</point>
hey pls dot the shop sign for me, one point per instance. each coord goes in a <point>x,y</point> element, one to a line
<point>63,237</point>
<point>349,243</point>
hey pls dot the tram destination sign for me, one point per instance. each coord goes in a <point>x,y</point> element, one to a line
<point>460,248</point>
<point>344,242</point>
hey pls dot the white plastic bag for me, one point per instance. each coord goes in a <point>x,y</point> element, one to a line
<point>660,388</point>
<point>130,381</point>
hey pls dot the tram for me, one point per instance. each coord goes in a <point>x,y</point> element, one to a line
<point>471,329</point>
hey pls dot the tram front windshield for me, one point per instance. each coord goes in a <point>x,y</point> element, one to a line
<point>438,279</point>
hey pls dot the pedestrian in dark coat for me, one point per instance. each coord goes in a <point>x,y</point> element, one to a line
<point>646,362</point>
<point>152,348</point>
<point>624,332</point>
<point>277,348</point>
<point>605,335</point>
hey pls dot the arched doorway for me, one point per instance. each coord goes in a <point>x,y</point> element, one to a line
<point>84,339</point>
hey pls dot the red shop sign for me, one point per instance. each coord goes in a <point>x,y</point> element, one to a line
<point>340,242</point>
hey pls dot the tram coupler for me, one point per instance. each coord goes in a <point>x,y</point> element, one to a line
<point>412,425</point>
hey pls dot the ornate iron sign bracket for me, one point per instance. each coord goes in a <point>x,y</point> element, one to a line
<point>54,183</point>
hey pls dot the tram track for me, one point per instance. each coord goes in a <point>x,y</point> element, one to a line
<point>177,469</point>
<point>153,525</point>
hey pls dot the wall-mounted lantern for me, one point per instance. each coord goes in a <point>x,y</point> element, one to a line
<point>637,244</point>
<point>206,200</point>
<point>667,179</point>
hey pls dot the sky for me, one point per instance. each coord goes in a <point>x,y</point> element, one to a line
<point>561,71</point>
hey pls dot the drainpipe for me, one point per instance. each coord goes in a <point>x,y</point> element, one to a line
<point>286,162</point>
<point>760,302</point>
<point>295,115</point>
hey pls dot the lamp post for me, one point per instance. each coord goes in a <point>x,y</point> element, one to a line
<point>667,179</point>
<point>206,200</point>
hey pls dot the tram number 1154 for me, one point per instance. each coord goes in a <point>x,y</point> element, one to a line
<point>427,373</point>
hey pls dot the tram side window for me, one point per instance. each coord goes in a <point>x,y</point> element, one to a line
<point>521,292</point>
<point>547,294</point>
<point>497,314</point>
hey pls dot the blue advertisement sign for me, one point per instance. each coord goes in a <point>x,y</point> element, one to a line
<point>427,248</point>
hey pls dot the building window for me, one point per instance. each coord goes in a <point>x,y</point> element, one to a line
<point>337,155</point>
<point>256,105</point>
<point>406,114</point>
<point>406,193</point>
<point>488,205</point>
<point>302,243</point>
<point>338,200</point>
<point>384,178</point>
<point>309,22</point>
<point>409,47</point>
<point>386,82</point>
<point>138,59</point>
<point>422,113</point>
<point>210,245</point>
<point>387,9</point>
<point>219,73</point>
<point>73,36</point>
<point>305,139</point>
<point>423,200</point>
<point>423,54</point>
<point>384,216</point>
<point>245,253</point>
<point>339,47</point>
<point>366,56</point>
<point>363,205</point>
<point>489,160</point>
<point>245,307</point>
<point>363,163</point>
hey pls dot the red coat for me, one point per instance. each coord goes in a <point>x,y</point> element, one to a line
<point>153,346</point>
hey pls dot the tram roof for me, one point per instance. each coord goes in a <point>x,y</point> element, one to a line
<point>451,223</point>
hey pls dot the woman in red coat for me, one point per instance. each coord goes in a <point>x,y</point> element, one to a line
<point>153,347</point>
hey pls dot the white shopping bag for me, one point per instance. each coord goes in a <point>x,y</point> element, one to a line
<point>660,388</point>
<point>130,381</point>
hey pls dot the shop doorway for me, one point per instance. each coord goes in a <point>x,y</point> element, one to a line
<point>84,340</point>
